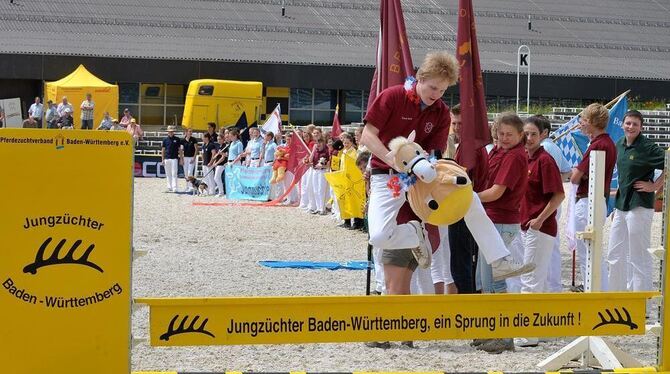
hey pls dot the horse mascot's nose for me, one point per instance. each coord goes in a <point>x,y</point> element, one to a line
<point>425,171</point>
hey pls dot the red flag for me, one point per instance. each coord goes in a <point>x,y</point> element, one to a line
<point>297,152</point>
<point>337,128</point>
<point>394,60</point>
<point>475,132</point>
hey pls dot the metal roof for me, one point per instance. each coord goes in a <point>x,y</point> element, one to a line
<point>599,38</point>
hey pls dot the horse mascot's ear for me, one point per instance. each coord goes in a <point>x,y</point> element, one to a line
<point>439,192</point>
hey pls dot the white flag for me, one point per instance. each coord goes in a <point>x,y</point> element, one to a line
<point>273,124</point>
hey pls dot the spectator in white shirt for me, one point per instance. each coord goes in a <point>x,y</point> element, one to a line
<point>35,112</point>
<point>62,106</point>
<point>87,113</point>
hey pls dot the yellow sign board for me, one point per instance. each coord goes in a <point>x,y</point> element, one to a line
<point>65,230</point>
<point>276,320</point>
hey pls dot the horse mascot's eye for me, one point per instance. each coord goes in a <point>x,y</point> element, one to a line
<point>442,192</point>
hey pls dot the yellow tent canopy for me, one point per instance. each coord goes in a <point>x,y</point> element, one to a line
<point>76,85</point>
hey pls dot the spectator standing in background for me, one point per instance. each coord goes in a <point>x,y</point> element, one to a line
<point>64,105</point>
<point>190,148</point>
<point>51,115</point>
<point>208,149</point>
<point>135,130</point>
<point>36,111</point>
<point>170,155</point>
<point>87,107</point>
<point>254,146</point>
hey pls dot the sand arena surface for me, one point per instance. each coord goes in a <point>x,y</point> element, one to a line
<point>213,251</point>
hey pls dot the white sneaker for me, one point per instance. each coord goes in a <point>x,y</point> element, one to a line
<point>423,252</point>
<point>526,342</point>
<point>507,267</point>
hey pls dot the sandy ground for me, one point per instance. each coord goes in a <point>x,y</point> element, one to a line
<point>213,251</point>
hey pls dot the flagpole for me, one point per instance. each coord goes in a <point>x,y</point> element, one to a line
<point>608,105</point>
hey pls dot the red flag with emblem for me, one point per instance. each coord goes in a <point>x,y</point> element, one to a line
<point>337,127</point>
<point>475,132</point>
<point>394,60</point>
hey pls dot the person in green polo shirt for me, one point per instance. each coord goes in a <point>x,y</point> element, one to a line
<point>630,265</point>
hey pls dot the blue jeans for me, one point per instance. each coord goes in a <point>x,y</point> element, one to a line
<point>484,273</point>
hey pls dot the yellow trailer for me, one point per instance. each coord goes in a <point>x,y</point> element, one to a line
<point>221,102</point>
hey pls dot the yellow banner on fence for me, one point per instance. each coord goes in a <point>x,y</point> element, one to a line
<point>66,251</point>
<point>276,320</point>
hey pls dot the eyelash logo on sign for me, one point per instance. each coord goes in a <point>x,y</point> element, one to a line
<point>40,261</point>
<point>182,329</point>
<point>626,320</point>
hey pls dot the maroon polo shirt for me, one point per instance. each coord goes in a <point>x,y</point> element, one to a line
<point>507,168</point>
<point>544,180</point>
<point>477,174</point>
<point>602,142</point>
<point>394,114</point>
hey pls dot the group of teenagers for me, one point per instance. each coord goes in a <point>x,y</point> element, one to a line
<point>508,241</point>
<point>218,149</point>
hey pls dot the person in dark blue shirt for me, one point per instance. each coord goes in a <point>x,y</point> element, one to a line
<point>171,156</point>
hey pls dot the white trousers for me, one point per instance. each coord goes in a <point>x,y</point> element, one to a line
<point>208,179</point>
<point>554,283</point>
<point>581,220</point>
<point>491,245</point>
<point>189,169</point>
<point>440,267</point>
<point>383,209</point>
<point>379,270</point>
<point>630,262</point>
<point>516,249</point>
<point>335,207</point>
<point>424,280</point>
<point>171,172</point>
<point>319,191</point>
<point>538,248</point>
<point>218,173</point>
<point>292,197</point>
<point>305,187</point>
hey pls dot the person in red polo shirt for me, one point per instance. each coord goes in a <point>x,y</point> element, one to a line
<point>544,195</point>
<point>397,111</point>
<point>593,123</point>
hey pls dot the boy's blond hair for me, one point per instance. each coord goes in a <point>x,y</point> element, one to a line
<point>597,115</point>
<point>441,65</point>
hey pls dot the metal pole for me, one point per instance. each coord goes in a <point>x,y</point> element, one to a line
<point>528,84</point>
<point>664,340</point>
<point>369,276</point>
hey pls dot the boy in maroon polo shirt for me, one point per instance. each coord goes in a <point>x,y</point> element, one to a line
<point>397,111</point>
<point>544,195</point>
<point>593,123</point>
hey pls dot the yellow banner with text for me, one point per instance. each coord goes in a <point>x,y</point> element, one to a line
<point>286,320</point>
<point>65,264</point>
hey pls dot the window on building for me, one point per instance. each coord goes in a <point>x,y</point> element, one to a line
<point>153,104</point>
<point>355,104</point>
<point>129,93</point>
<point>315,106</point>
